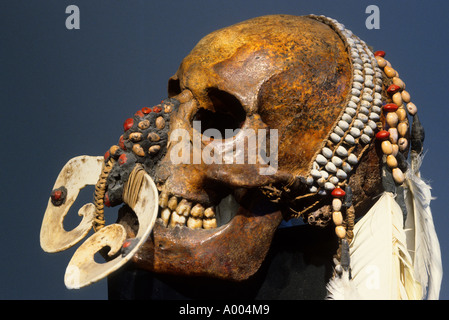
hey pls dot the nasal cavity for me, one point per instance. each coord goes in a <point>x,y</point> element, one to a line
<point>225,112</point>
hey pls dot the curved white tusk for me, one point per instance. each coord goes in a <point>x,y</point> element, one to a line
<point>83,270</point>
<point>76,174</point>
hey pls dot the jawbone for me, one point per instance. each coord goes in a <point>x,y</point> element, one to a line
<point>233,251</point>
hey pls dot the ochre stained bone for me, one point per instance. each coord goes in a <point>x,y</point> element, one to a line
<point>288,73</point>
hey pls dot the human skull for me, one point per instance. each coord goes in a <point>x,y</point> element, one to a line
<point>288,73</point>
<point>230,154</point>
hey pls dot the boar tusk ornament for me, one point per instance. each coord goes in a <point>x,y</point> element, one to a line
<point>140,194</point>
<point>347,158</point>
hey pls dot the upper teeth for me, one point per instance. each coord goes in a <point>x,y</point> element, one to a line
<point>175,211</point>
<point>181,212</point>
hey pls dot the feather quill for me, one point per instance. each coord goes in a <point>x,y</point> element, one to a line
<point>381,266</point>
<point>422,240</point>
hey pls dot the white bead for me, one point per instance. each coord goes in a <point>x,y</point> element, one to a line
<point>327,152</point>
<point>355,92</point>
<point>346,117</point>
<point>369,84</point>
<point>377,102</point>
<point>352,104</point>
<point>355,99</point>
<point>350,139</point>
<point>346,167</point>
<point>350,111</point>
<point>372,124</point>
<point>313,189</point>
<point>339,131</point>
<point>355,132</point>
<point>358,66</point>
<point>334,137</point>
<point>322,192</point>
<point>334,180</point>
<point>329,186</point>
<point>309,180</point>
<point>367,97</point>
<point>321,182</point>
<point>357,85</point>
<point>315,173</point>
<point>330,167</point>
<point>376,109</point>
<point>324,174</point>
<point>352,159</point>
<point>363,117</point>
<point>365,138</point>
<point>341,151</point>
<point>369,71</point>
<point>358,78</point>
<point>321,160</point>
<point>358,124</point>
<point>369,92</point>
<point>364,110</point>
<point>343,125</point>
<point>337,161</point>
<point>341,174</point>
<point>368,131</point>
<point>374,116</point>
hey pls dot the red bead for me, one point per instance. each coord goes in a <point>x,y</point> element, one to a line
<point>126,244</point>
<point>146,110</point>
<point>107,202</point>
<point>379,53</point>
<point>122,159</point>
<point>56,195</point>
<point>107,155</point>
<point>121,143</point>
<point>338,192</point>
<point>390,107</point>
<point>139,114</point>
<point>393,89</point>
<point>128,124</point>
<point>157,109</point>
<point>382,135</point>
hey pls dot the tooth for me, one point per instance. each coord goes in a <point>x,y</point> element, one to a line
<point>209,223</point>
<point>163,199</point>
<point>184,207</point>
<point>165,215</point>
<point>176,219</point>
<point>173,203</point>
<point>194,223</point>
<point>197,211</point>
<point>209,212</point>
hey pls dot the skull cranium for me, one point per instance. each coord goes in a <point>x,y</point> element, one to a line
<point>282,79</point>
<point>287,73</point>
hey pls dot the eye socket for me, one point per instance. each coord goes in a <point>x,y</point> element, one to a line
<point>227,113</point>
<point>174,87</point>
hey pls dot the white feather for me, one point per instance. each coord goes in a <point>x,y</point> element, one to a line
<point>422,240</point>
<point>380,263</point>
<point>342,288</point>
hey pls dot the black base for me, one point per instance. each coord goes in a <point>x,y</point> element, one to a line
<point>298,266</point>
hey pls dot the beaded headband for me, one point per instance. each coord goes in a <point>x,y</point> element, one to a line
<point>360,123</point>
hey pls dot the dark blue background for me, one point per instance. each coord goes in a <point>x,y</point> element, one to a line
<point>66,93</point>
